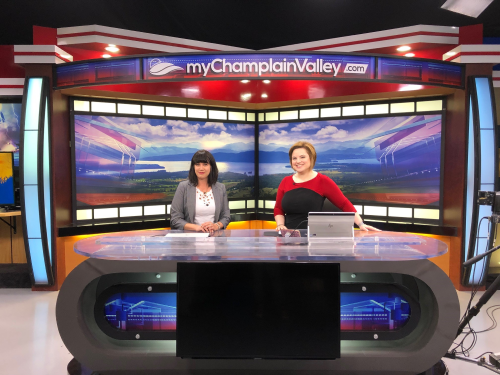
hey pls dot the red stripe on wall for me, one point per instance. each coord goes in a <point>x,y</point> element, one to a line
<point>379,39</point>
<point>11,86</point>
<point>92,33</point>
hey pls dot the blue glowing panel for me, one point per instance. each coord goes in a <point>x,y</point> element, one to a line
<point>32,115</point>
<point>373,312</point>
<point>158,311</point>
<point>46,180</point>
<point>142,311</point>
<point>31,209</point>
<point>469,200</point>
<point>30,155</point>
<point>37,260</point>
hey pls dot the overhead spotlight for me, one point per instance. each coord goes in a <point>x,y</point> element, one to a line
<point>245,81</point>
<point>404,48</point>
<point>451,53</point>
<point>264,96</point>
<point>410,87</point>
<point>106,56</point>
<point>467,7</point>
<point>409,54</point>
<point>112,48</point>
<point>266,81</point>
<point>246,96</point>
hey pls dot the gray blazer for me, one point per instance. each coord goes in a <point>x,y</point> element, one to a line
<point>183,208</point>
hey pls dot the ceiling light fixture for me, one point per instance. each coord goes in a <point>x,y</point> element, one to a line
<point>451,53</point>
<point>245,81</point>
<point>266,81</point>
<point>263,96</point>
<point>112,48</point>
<point>467,7</point>
<point>404,48</point>
<point>409,54</point>
<point>106,56</point>
<point>246,96</point>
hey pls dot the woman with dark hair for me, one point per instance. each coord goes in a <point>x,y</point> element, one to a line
<point>200,203</point>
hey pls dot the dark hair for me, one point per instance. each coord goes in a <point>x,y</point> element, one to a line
<point>203,156</point>
<point>306,146</point>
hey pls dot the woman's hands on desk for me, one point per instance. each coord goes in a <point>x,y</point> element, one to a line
<point>368,228</point>
<point>210,227</point>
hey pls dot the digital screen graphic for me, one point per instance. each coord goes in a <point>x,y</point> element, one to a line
<point>373,312</point>
<point>10,128</point>
<point>99,72</point>
<point>121,160</point>
<point>142,311</point>
<point>158,311</point>
<point>393,159</point>
<point>419,71</point>
<point>263,65</point>
<point>259,65</point>
<point>6,178</point>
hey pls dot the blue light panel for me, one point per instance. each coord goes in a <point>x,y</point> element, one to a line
<point>46,180</point>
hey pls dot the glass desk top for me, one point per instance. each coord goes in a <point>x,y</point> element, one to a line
<point>249,244</point>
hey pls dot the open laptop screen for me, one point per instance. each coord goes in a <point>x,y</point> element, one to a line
<point>331,224</point>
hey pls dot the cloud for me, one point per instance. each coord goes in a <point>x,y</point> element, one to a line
<point>214,125</point>
<point>271,135</point>
<point>305,126</point>
<point>148,130</point>
<point>331,132</point>
<point>244,126</point>
<point>212,141</point>
<point>276,126</point>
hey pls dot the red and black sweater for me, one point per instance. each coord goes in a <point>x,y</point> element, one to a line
<point>295,200</point>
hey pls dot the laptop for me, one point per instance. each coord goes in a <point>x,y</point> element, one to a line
<point>331,224</point>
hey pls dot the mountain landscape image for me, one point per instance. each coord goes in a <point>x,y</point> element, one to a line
<point>127,160</point>
<point>393,159</point>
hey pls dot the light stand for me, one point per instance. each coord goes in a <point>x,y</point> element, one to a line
<point>493,199</point>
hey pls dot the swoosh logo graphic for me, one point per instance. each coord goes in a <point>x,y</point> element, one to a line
<point>162,68</point>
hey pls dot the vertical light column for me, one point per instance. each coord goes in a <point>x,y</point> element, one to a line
<point>34,163</point>
<point>481,176</point>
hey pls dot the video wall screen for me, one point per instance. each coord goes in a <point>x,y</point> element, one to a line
<point>384,160</point>
<point>10,128</point>
<point>123,160</point>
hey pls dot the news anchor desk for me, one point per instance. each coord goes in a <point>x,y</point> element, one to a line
<point>399,312</point>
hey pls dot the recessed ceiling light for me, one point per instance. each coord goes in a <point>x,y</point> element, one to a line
<point>404,48</point>
<point>112,48</point>
<point>106,56</point>
<point>410,87</point>
<point>263,96</point>
<point>266,81</point>
<point>246,96</point>
<point>409,54</point>
<point>245,81</point>
<point>451,53</point>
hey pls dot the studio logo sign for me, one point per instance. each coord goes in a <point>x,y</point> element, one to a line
<point>252,65</point>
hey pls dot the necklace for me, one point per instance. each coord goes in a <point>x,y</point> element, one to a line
<point>206,198</point>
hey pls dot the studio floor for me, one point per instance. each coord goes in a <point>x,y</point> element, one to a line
<point>30,342</point>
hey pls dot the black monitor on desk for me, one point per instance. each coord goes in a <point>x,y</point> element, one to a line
<point>258,310</point>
